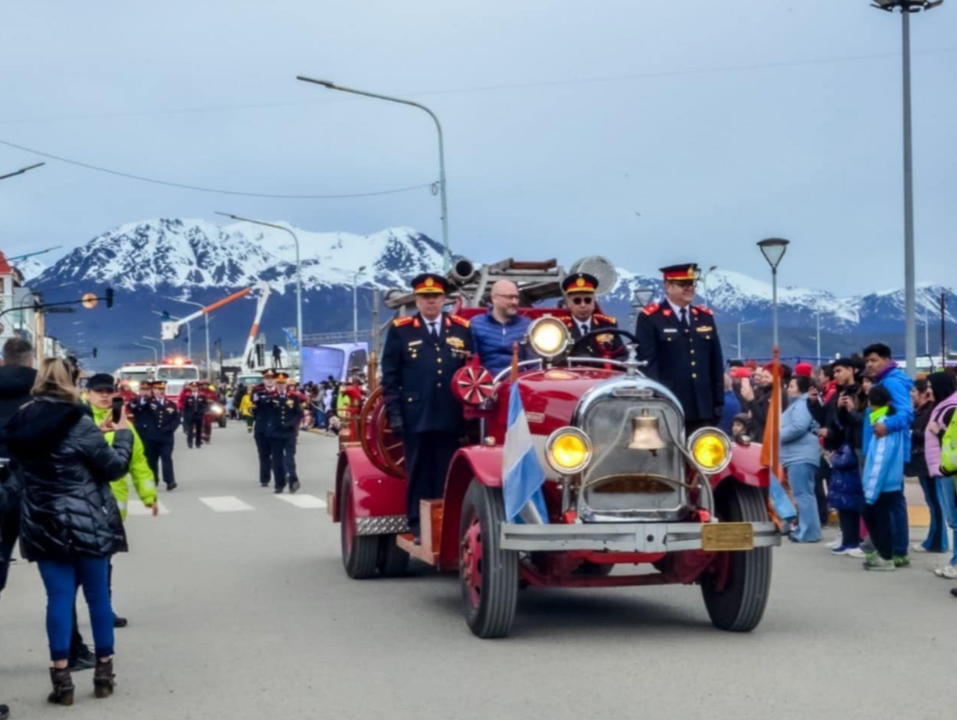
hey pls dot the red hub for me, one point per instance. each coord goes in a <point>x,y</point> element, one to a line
<point>471,561</point>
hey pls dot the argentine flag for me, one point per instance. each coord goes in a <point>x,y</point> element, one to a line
<point>522,473</point>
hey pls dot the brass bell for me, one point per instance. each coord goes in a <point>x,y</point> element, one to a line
<point>644,433</point>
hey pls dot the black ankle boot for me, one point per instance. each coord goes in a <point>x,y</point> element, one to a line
<point>103,682</point>
<point>62,686</point>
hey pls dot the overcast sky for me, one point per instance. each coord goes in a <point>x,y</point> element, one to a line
<point>719,122</point>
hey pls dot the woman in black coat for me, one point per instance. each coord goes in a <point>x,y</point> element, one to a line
<point>70,523</point>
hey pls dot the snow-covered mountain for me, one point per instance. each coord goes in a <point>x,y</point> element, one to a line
<point>30,268</point>
<point>150,262</point>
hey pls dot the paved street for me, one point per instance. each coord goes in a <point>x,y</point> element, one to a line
<point>239,608</point>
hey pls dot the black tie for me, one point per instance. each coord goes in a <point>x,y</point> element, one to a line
<point>684,317</point>
<point>433,330</point>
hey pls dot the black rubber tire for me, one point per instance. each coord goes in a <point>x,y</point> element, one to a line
<point>740,605</point>
<point>499,597</point>
<point>360,563</point>
<point>393,560</point>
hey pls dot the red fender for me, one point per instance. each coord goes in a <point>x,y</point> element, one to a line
<point>478,462</point>
<point>374,493</point>
<point>745,467</point>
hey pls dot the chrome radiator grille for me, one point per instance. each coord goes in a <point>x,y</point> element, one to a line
<point>621,483</point>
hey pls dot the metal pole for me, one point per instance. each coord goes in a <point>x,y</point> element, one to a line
<point>926,333</point>
<point>160,341</point>
<point>910,294</point>
<point>446,252</point>
<point>189,342</point>
<point>943,330</point>
<point>774,302</point>
<point>739,341</point>
<point>819,337</point>
<point>209,365</point>
<point>152,349</point>
<point>355,308</point>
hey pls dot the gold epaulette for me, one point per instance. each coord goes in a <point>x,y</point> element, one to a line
<point>459,320</point>
<point>703,309</point>
<point>651,309</point>
<point>404,320</point>
<point>606,318</point>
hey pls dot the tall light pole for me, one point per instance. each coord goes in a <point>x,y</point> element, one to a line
<point>162,344</point>
<point>446,252</point>
<point>149,347</point>
<point>819,337</point>
<point>745,322</point>
<point>773,250</point>
<point>209,365</point>
<point>298,277</point>
<point>704,284</point>
<point>21,171</point>
<point>910,284</point>
<point>355,304</point>
<point>926,333</point>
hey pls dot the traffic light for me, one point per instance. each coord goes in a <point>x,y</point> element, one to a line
<point>109,298</point>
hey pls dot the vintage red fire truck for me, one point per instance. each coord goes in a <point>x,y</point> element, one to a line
<point>624,486</point>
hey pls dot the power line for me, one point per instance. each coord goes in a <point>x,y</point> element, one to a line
<point>218,191</point>
<point>489,88</point>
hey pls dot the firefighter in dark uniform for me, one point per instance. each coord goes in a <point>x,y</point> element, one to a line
<point>193,406</point>
<point>679,342</point>
<point>261,398</point>
<point>159,436</point>
<point>421,354</point>
<point>135,409</point>
<point>286,416</point>
<point>580,290</point>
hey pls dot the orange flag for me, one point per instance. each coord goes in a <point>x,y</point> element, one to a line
<point>771,443</point>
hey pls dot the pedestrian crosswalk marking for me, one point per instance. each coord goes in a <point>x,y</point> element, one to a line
<point>136,507</point>
<point>304,501</point>
<point>226,503</point>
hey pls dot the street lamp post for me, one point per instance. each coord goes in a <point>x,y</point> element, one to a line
<point>910,284</point>
<point>819,337</point>
<point>161,342</point>
<point>745,322</point>
<point>773,250</point>
<point>209,366</point>
<point>355,304</point>
<point>446,252</point>
<point>704,284</point>
<point>295,239</point>
<point>149,347</point>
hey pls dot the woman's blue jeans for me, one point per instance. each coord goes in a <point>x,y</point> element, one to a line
<point>60,580</point>
<point>947,496</point>
<point>801,476</point>
<point>937,532</point>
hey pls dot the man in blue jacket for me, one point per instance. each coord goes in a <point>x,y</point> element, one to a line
<point>884,372</point>
<point>495,333</point>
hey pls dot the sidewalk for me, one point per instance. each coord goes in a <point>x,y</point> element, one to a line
<point>917,512</point>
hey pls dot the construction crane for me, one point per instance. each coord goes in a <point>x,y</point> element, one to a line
<point>248,366</point>
<point>169,328</point>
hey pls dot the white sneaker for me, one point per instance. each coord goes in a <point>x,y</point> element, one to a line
<point>948,572</point>
<point>835,544</point>
<point>918,548</point>
<point>856,553</point>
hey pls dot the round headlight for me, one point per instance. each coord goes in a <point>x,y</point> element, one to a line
<point>548,337</point>
<point>711,449</point>
<point>568,450</point>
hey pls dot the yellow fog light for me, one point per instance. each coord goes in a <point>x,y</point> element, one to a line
<point>711,449</point>
<point>548,337</point>
<point>568,450</point>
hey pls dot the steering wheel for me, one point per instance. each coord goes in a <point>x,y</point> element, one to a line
<point>603,331</point>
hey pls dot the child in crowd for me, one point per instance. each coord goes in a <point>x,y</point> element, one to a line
<point>883,481</point>
<point>845,494</point>
<point>739,427</point>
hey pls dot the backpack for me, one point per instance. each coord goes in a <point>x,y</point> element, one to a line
<point>948,448</point>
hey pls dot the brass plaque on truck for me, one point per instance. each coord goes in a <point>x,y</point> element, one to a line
<point>727,536</point>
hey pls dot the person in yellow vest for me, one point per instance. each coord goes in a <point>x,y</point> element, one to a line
<point>246,410</point>
<point>101,393</point>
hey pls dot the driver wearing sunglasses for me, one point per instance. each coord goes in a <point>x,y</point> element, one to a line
<point>579,290</point>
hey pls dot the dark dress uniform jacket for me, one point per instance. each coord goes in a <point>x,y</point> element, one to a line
<point>597,347</point>
<point>285,415</point>
<point>194,408</point>
<point>160,420</point>
<point>686,360</point>
<point>417,373</point>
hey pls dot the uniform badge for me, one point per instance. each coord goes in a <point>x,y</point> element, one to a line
<point>704,328</point>
<point>170,409</point>
<point>290,403</point>
<point>413,343</point>
<point>605,338</point>
<point>457,343</point>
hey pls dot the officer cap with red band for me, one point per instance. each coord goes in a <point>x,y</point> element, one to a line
<point>281,377</point>
<point>270,373</point>
<point>428,284</point>
<point>580,283</point>
<point>677,273</point>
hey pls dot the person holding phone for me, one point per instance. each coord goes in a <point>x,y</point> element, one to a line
<point>108,411</point>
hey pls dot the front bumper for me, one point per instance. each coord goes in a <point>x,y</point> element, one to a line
<point>637,537</point>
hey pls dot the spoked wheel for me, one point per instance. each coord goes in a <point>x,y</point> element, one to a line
<point>393,561</point>
<point>737,592</point>
<point>488,575</point>
<point>360,553</point>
